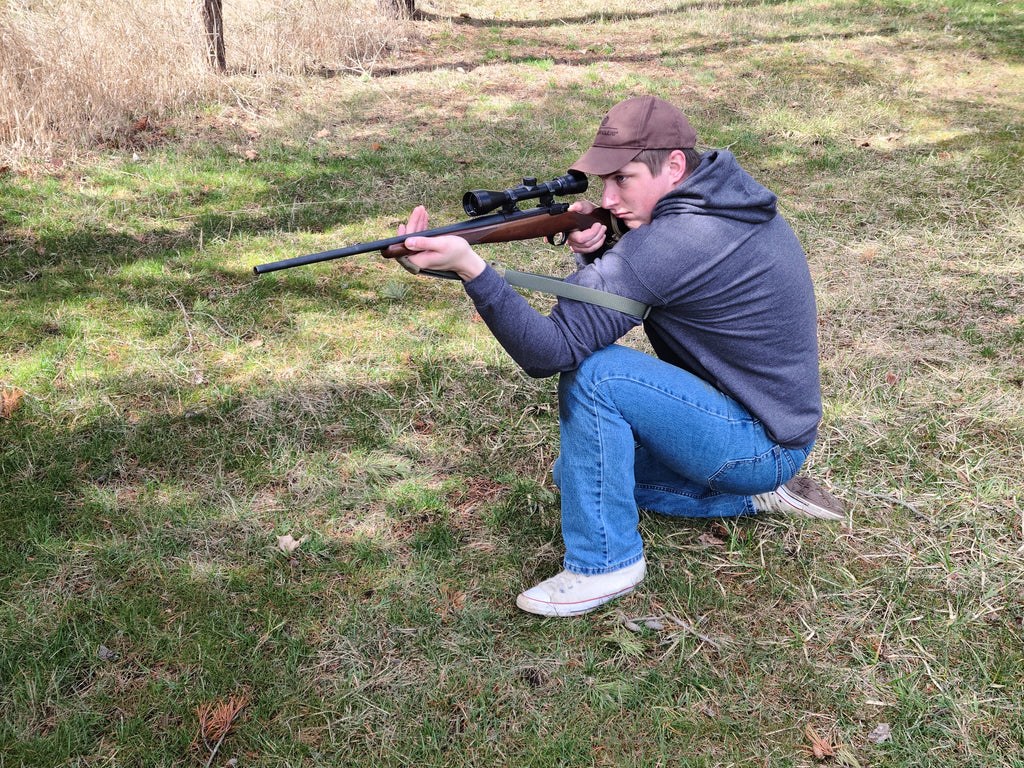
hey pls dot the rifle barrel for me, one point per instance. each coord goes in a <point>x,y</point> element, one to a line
<point>381,245</point>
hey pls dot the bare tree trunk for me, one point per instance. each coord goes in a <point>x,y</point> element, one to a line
<point>213,22</point>
<point>397,9</point>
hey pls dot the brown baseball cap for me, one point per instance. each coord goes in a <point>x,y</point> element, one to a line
<point>630,127</point>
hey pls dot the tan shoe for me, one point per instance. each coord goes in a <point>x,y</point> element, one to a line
<point>801,496</point>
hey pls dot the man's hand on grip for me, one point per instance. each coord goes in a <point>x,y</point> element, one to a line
<point>590,239</point>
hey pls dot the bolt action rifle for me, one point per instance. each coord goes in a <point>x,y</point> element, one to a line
<point>548,220</point>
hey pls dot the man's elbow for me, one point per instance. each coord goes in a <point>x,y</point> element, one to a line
<point>539,372</point>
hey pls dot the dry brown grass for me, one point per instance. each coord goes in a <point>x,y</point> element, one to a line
<point>79,72</point>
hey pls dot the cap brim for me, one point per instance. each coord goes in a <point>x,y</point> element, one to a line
<point>600,161</point>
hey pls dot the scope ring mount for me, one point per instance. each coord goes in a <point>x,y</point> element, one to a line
<point>482,201</point>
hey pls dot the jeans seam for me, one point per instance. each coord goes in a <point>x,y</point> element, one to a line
<point>600,475</point>
<point>775,451</point>
<point>673,396</point>
<point>663,488</point>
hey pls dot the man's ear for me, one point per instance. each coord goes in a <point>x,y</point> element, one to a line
<point>675,164</point>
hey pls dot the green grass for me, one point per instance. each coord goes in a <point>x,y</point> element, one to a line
<point>179,414</point>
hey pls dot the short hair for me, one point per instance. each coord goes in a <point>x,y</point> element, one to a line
<point>655,159</point>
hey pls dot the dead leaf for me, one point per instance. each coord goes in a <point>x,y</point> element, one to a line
<point>891,378</point>
<point>868,255</point>
<point>719,530</point>
<point>827,748</point>
<point>216,720</point>
<point>251,154</point>
<point>707,540</point>
<point>821,748</point>
<point>10,399</point>
<point>287,544</point>
<point>323,133</point>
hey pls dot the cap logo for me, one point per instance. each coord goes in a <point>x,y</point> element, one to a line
<point>607,130</point>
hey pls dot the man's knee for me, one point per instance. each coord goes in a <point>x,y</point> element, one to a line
<point>606,362</point>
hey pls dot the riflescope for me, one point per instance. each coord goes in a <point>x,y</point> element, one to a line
<point>481,201</point>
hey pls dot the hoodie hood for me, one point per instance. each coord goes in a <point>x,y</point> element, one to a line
<point>720,187</point>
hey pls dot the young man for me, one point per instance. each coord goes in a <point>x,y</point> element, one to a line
<point>721,420</point>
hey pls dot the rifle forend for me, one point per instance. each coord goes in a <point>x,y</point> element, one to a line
<point>548,220</point>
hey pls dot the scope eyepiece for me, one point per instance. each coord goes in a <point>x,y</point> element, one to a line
<point>481,201</point>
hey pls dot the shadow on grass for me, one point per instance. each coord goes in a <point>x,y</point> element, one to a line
<point>999,27</point>
<point>586,58</point>
<point>591,18</point>
<point>141,576</point>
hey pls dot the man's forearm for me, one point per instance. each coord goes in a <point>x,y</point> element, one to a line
<point>534,341</point>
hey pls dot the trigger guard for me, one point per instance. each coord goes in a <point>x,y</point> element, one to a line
<point>562,238</point>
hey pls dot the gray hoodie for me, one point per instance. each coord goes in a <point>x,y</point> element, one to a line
<point>731,296</point>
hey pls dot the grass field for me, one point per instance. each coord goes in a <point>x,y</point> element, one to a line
<point>167,416</point>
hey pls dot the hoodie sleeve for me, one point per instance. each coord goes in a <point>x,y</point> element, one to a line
<point>543,345</point>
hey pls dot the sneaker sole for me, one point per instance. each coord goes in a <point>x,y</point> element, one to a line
<point>542,608</point>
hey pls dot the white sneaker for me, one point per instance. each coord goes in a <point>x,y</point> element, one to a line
<point>570,594</point>
<point>801,496</point>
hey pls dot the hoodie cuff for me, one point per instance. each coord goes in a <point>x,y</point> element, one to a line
<point>483,288</point>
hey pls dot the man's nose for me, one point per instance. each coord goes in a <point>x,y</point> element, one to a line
<point>608,196</point>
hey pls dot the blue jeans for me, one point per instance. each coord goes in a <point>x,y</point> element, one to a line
<point>637,431</point>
